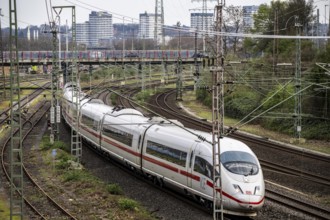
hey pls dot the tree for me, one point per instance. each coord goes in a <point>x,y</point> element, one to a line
<point>233,22</point>
<point>279,18</point>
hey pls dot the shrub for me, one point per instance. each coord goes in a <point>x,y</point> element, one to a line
<point>127,204</point>
<point>114,189</point>
<point>74,175</point>
<point>144,95</point>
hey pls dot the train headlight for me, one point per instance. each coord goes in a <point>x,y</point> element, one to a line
<point>257,190</point>
<point>237,188</point>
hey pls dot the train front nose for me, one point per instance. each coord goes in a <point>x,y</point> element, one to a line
<point>249,198</point>
<point>250,202</point>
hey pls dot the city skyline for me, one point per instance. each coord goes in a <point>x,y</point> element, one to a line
<point>125,11</point>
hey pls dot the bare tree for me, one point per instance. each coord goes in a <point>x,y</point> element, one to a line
<point>233,22</point>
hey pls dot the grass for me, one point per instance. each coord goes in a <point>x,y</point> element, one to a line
<point>82,185</point>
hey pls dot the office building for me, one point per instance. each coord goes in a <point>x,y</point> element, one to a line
<point>202,21</point>
<point>100,28</point>
<point>248,21</point>
<point>82,33</point>
<point>147,26</point>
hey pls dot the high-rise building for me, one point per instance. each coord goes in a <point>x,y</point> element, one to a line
<point>202,21</point>
<point>147,26</point>
<point>100,27</point>
<point>83,33</point>
<point>248,12</point>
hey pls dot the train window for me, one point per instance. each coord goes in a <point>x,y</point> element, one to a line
<point>172,155</point>
<point>90,122</point>
<point>87,120</point>
<point>203,167</point>
<point>239,162</point>
<point>118,135</point>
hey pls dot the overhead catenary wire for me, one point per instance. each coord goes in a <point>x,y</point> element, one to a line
<point>274,106</point>
<point>193,30</point>
<point>168,120</point>
<point>237,124</point>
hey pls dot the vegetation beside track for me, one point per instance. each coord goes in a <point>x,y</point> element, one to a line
<point>78,185</point>
<point>203,111</point>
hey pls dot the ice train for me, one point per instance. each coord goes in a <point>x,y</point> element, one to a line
<point>168,154</point>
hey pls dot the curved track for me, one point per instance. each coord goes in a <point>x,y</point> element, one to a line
<point>165,104</point>
<point>45,207</point>
<point>4,115</point>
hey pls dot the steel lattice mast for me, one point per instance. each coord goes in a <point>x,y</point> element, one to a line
<point>2,65</point>
<point>16,152</point>
<point>205,26</point>
<point>218,113</point>
<point>55,108</point>
<point>159,23</point>
<point>76,146</point>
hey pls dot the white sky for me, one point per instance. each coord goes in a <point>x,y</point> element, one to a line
<point>33,12</point>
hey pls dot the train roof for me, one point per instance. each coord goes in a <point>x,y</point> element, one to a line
<point>173,132</point>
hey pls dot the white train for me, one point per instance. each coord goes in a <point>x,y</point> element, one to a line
<point>170,155</point>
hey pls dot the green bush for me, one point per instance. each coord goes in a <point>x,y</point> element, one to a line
<point>241,102</point>
<point>45,143</point>
<point>204,96</point>
<point>143,95</point>
<point>127,204</point>
<point>114,189</point>
<point>74,175</point>
<point>316,129</point>
<point>63,161</point>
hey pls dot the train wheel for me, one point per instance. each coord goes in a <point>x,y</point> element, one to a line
<point>155,180</point>
<point>161,183</point>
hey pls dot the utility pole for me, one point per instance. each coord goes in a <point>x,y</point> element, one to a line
<point>141,73</point>
<point>196,73</point>
<point>275,43</point>
<point>218,113</point>
<point>76,145</point>
<point>179,68</point>
<point>123,38</point>
<point>16,152</point>
<point>55,107</point>
<point>329,21</point>
<point>297,100</point>
<point>205,24</point>
<point>132,35</point>
<point>2,64</point>
<point>159,23</point>
<point>318,28</point>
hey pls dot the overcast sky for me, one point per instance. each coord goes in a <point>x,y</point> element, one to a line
<point>33,12</point>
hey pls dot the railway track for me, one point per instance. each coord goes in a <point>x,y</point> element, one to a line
<point>35,197</point>
<point>32,79</point>
<point>4,115</point>
<point>165,105</point>
<point>304,207</point>
<point>275,167</point>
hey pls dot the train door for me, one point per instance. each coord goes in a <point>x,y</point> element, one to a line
<point>190,167</point>
<point>201,172</point>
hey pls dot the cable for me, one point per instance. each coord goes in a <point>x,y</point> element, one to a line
<point>263,103</point>
<point>47,11</point>
<point>273,107</point>
<point>120,15</point>
<point>155,113</point>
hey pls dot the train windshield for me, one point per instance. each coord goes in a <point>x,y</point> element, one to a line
<point>239,162</point>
